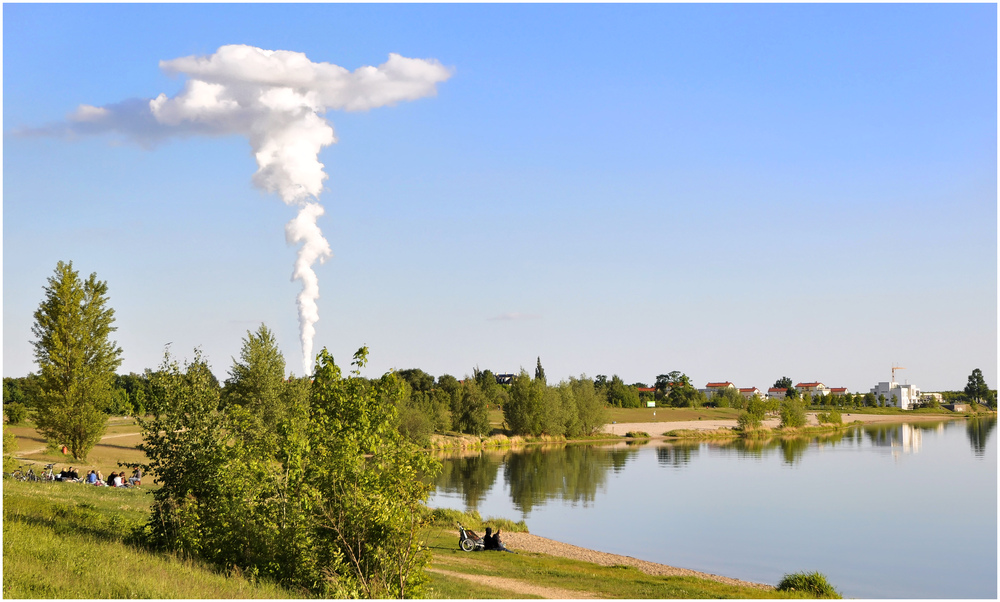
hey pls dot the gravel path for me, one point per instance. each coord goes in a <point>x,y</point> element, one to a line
<point>527,542</point>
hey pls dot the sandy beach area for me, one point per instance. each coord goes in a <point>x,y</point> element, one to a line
<point>656,429</point>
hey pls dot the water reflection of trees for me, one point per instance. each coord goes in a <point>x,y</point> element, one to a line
<point>792,449</point>
<point>978,430</point>
<point>573,473</point>
<point>676,455</point>
<point>470,476</point>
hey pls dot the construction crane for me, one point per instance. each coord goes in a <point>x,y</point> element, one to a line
<point>894,368</point>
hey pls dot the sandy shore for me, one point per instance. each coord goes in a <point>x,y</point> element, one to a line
<point>526,542</point>
<point>657,429</point>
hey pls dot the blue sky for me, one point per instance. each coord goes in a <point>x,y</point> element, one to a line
<point>739,192</point>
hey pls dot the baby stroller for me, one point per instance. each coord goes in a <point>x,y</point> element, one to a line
<point>469,541</point>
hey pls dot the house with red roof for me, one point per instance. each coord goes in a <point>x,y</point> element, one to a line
<point>713,388</point>
<point>749,392</point>
<point>777,393</point>
<point>816,388</point>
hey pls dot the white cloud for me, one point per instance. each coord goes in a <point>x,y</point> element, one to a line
<point>276,99</point>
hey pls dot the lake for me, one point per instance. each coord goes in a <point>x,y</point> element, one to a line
<point>884,511</point>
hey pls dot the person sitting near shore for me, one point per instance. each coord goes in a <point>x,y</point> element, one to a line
<point>492,541</point>
<point>91,477</point>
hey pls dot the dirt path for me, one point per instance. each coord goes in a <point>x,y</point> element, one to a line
<point>527,542</point>
<point>516,586</point>
<point>28,452</point>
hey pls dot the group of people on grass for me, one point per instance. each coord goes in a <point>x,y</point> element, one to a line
<point>94,477</point>
<point>492,541</point>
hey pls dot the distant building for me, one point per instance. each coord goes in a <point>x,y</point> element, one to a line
<point>504,379</point>
<point>813,389</point>
<point>713,388</point>
<point>777,393</point>
<point>897,395</point>
<point>838,391</point>
<point>750,392</point>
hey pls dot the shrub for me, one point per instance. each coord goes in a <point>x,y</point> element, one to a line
<point>793,413</point>
<point>16,412</point>
<point>748,422</point>
<point>812,583</point>
<point>637,434</point>
<point>831,417</point>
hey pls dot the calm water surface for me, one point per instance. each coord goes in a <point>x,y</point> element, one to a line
<point>889,511</point>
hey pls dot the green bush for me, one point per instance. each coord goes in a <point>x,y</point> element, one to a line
<point>831,417</point>
<point>812,583</point>
<point>16,412</point>
<point>793,414</point>
<point>637,434</point>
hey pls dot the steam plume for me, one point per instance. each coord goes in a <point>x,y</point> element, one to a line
<point>276,99</point>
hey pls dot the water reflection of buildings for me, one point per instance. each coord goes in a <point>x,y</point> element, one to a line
<point>900,438</point>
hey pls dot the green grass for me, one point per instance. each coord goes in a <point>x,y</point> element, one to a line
<point>670,414</point>
<point>550,571</point>
<point>65,540</point>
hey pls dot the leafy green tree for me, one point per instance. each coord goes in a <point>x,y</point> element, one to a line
<point>539,371</point>
<point>257,380</point>
<point>76,359</point>
<point>793,413</point>
<point>600,381</point>
<point>417,379</point>
<point>870,400</point>
<point>328,499</point>
<point>591,413</point>
<point>453,388</point>
<point>682,393</point>
<point>728,398</point>
<point>472,415</point>
<point>977,390</point>
<point>137,390</point>
<point>753,416</point>
<point>783,383</point>
<point>621,395</point>
<point>16,412</point>
<point>523,413</point>
<point>881,400</point>
<point>368,486</point>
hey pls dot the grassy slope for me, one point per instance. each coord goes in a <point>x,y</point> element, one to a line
<point>67,540</point>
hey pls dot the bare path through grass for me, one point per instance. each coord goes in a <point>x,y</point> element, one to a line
<point>516,586</point>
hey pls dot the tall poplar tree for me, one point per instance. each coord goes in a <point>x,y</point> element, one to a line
<point>76,359</point>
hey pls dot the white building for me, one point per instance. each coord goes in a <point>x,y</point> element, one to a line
<point>713,388</point>
<point>777,393</point>
<point>900,396</point>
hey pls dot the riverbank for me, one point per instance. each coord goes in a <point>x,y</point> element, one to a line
<point>656,429</point>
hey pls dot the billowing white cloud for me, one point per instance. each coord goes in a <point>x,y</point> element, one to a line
<point>276,99</point>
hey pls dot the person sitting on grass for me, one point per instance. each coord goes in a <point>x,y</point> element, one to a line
<point>91,477</point>
<point>492,541</point>
<point>136,479</point>
<point>118,480</point>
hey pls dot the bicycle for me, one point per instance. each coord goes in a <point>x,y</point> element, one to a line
<point>47,473</point>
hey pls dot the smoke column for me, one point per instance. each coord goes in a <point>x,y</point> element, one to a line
<point>276,99</point>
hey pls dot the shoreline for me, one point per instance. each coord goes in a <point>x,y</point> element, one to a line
<point>656,429</point>
<point>527,542</point>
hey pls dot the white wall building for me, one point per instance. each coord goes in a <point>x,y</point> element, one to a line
<point>900,396</point>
